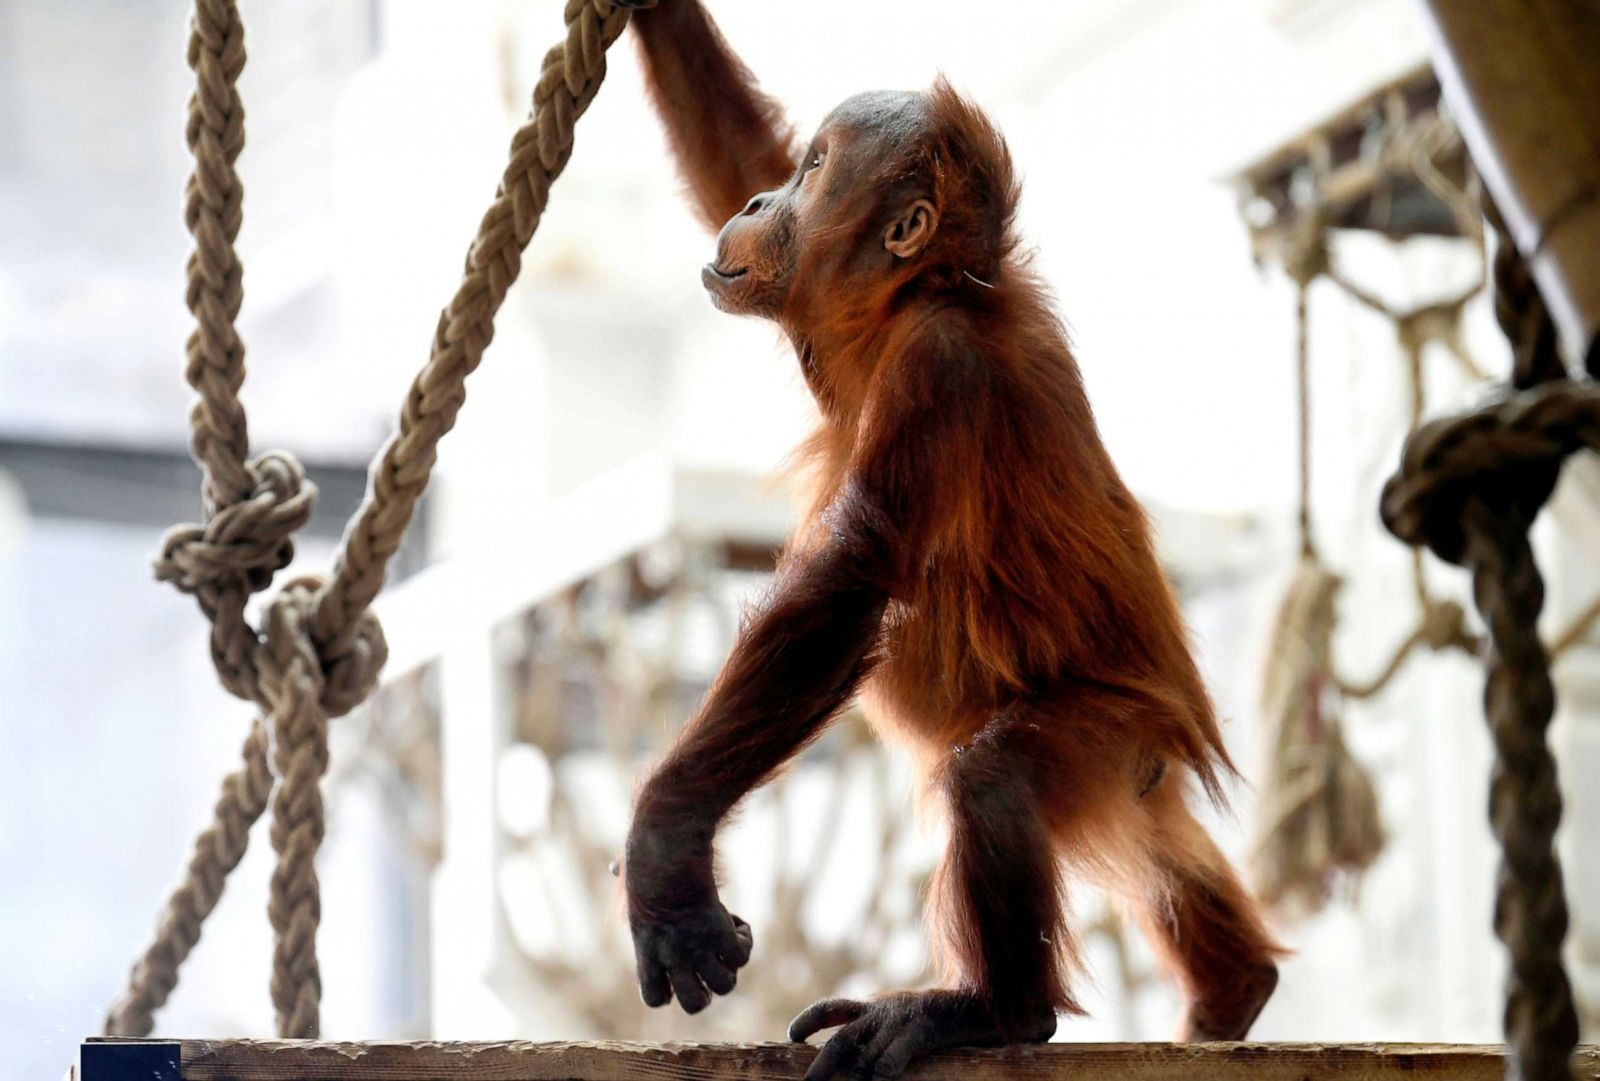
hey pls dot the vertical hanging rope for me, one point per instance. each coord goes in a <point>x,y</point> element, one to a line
<point>319,650</point>
<point>291,681</point>
<point>1520,310</point>
<point>1530,912</point>
<point>1470,487</point>
<point>1530,906</point>
<point>1319,820</point>
<point>568,80</point>
<point>213,211</point>
<point>1302,377</point>
<point>1305,259</point>
<point>252,508</point>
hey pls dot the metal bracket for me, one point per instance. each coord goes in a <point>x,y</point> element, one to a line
<point>130,1060</point>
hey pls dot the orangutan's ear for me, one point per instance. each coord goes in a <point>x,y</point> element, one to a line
<point>910,232</point>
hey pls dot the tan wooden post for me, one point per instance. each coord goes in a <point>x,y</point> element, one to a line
<point>1523,80</point>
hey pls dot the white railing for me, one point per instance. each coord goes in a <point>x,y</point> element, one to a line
<point>536,551</point>
<point>448,614</point>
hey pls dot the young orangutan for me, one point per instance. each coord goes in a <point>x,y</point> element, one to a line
<point>973,564</point>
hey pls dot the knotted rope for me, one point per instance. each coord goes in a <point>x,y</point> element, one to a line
<point>1442,625</point>
<point>1469,488</point>
<point>1521,312</point>
<point>1305,259</point>
<point>318,651</point>
<point>1319,819</point>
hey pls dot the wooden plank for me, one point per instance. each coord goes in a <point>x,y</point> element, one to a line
<point>292,1060</point>
<point>1521,79</point>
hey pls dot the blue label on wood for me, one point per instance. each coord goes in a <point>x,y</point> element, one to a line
<point>141,1060</point>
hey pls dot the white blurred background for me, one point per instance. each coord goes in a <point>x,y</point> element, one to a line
<point>618,416</point>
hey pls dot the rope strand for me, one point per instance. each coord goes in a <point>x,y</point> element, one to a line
<point>320,650</point>
<point>1470,487</point>
<point>1302,383</point>
<point>217,852</point>
<point>570,76</point>
<point>213,210</point>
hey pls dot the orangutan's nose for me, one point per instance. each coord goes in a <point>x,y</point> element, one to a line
<point>756,204</point>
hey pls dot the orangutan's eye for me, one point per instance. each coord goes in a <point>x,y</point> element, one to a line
<point>815,162</point>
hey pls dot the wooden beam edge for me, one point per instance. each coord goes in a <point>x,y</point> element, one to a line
<point>282,1060</point>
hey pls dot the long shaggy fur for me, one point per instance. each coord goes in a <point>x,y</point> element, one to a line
<point>972,561</point>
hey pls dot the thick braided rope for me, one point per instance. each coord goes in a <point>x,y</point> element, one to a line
<point>253,507</point>
<point>1520,310</point>
<point>1469,488</point>
<point>234,554</point>
<point>217,851</point>
<point>571,74</point>
<point>213,210</point>
<point>1530,911</point>
<point>291,682</point>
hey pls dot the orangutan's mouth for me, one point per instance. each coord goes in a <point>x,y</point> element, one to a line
<point>724,276</point>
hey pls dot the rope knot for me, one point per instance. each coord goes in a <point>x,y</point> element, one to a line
<point>1444,624</point>
<point>1434,323</point>
<point>1304,250</point>
<point>1506,456</point>
<point>302,669</point>
<point>350,667</point>
<point>243,544</point>
<point>338,675</point>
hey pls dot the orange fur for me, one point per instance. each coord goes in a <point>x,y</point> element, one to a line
<point>971,560</point>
